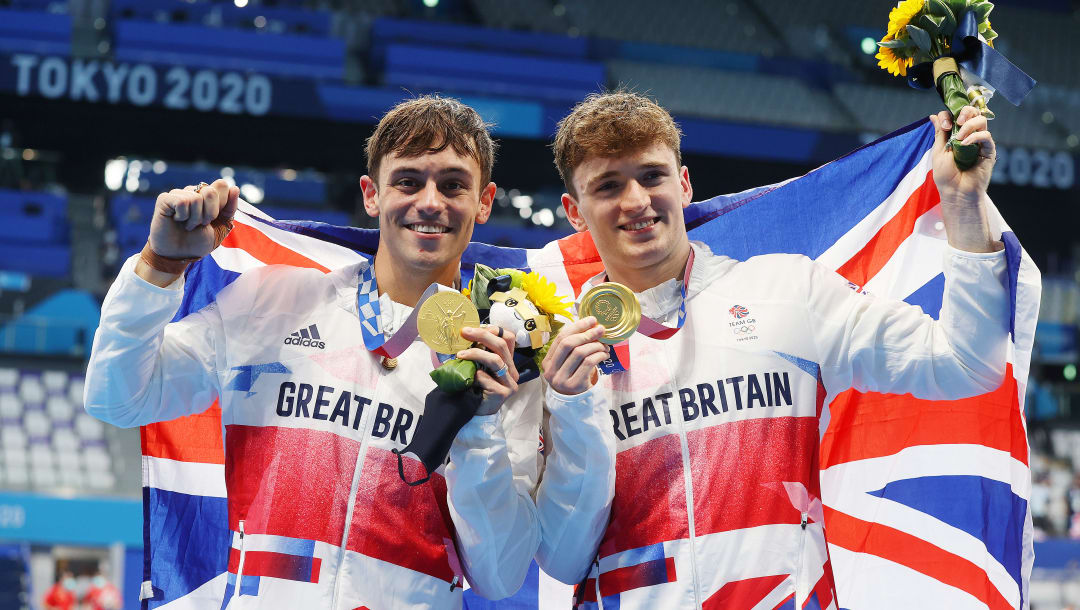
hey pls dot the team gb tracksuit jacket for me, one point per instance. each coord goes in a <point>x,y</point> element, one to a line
<point>717,428</point>
<point>310,419</point>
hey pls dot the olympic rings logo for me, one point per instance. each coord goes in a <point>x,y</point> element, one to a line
<point>746,330</point>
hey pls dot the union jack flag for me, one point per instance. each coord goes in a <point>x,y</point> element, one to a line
<point>739,311</point>
<point>925,503</point>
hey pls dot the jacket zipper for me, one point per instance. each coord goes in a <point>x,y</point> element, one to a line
<point>801,583</point>
<point>240,567</point>
<point>688,481</point>
<point>357,469</point>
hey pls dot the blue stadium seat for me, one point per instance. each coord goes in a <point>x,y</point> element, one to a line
<point>310,192</point>
<point>387,30</point>
<point>51,260</point>
<point>302,190</point>
<point>130,217</point>
<point>283,19</point>
<point>33,218</point>
<point>34,32</point>
<point>201,46</point>
<point>441,68</point>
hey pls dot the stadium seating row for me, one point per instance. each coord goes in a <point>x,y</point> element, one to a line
<point>34,236</point>
<point>46,440</point>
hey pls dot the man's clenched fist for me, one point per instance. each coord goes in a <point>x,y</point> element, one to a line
<point>187,224</point>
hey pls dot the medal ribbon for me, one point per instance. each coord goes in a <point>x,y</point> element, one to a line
<point>620,352</point>
<point>367,307</point>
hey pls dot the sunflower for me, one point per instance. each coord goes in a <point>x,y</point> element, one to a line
<point>889,60</point>
<point>901,16</point>
<point>541,292</point>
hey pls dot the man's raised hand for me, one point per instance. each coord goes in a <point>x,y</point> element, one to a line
<point>189,223</point>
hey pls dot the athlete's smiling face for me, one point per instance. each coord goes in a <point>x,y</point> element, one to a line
<point>633,206</point>
<point>427,207</point>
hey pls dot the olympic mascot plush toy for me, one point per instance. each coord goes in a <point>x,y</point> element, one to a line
<point>525,304</point>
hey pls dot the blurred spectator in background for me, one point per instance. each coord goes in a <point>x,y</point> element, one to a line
<point>1040,403</point>
<point>1073,501</point>
<point>1040,506</point>
<point>61,596</point>
<point>102,595</point>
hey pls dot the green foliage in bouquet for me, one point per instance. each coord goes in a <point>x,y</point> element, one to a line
<point>921,31</point>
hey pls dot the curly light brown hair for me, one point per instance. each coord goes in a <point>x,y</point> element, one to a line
<point>609,125</point>
<point>430,123</point>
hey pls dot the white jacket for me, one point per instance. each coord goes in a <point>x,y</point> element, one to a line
<point>717,428</point>
<point>319,514</point>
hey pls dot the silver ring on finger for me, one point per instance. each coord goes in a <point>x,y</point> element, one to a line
<point>501,372</point>
<point>201,186</point>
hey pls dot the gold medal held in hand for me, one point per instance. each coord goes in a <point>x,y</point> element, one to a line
<point>441,318</point>
<point>616,309</point>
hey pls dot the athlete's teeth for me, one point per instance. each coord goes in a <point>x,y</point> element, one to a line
<point>640,225</point>
<point>427,229</point>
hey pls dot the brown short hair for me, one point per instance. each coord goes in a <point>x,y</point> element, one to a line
<point>430,123</point>
<point>611,124</point>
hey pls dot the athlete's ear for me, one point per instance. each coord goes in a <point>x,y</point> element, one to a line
<point>687,189</point>
<point>486,197</point>
<point>573,213</point>
<point>371,196</point>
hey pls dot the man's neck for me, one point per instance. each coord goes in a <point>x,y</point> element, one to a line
<point>405,285</point>
<point>642,279</point>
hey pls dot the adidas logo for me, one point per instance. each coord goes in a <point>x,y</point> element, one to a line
<point>306,337</point>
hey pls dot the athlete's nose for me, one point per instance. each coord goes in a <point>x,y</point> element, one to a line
<point>637,198</point>
<point>429,200</point>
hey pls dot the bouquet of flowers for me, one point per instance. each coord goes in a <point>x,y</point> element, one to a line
<point>948,45</point>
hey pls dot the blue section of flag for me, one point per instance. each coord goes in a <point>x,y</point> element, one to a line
<point>492,256</point>
<point>189,538</point>
<point>929,296</point>
<point>824,204</point>
<point>788,605</point>
<point>204,280</point>
<point>985,508</point>
<point>812,603</point>
<point>1013,253</point>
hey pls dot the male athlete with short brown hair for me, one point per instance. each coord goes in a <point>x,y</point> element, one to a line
<point>717,431</point>
<point>319,515</point>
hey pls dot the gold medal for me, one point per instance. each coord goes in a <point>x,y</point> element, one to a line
<point>616,309</point>
<point>441,318</point>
